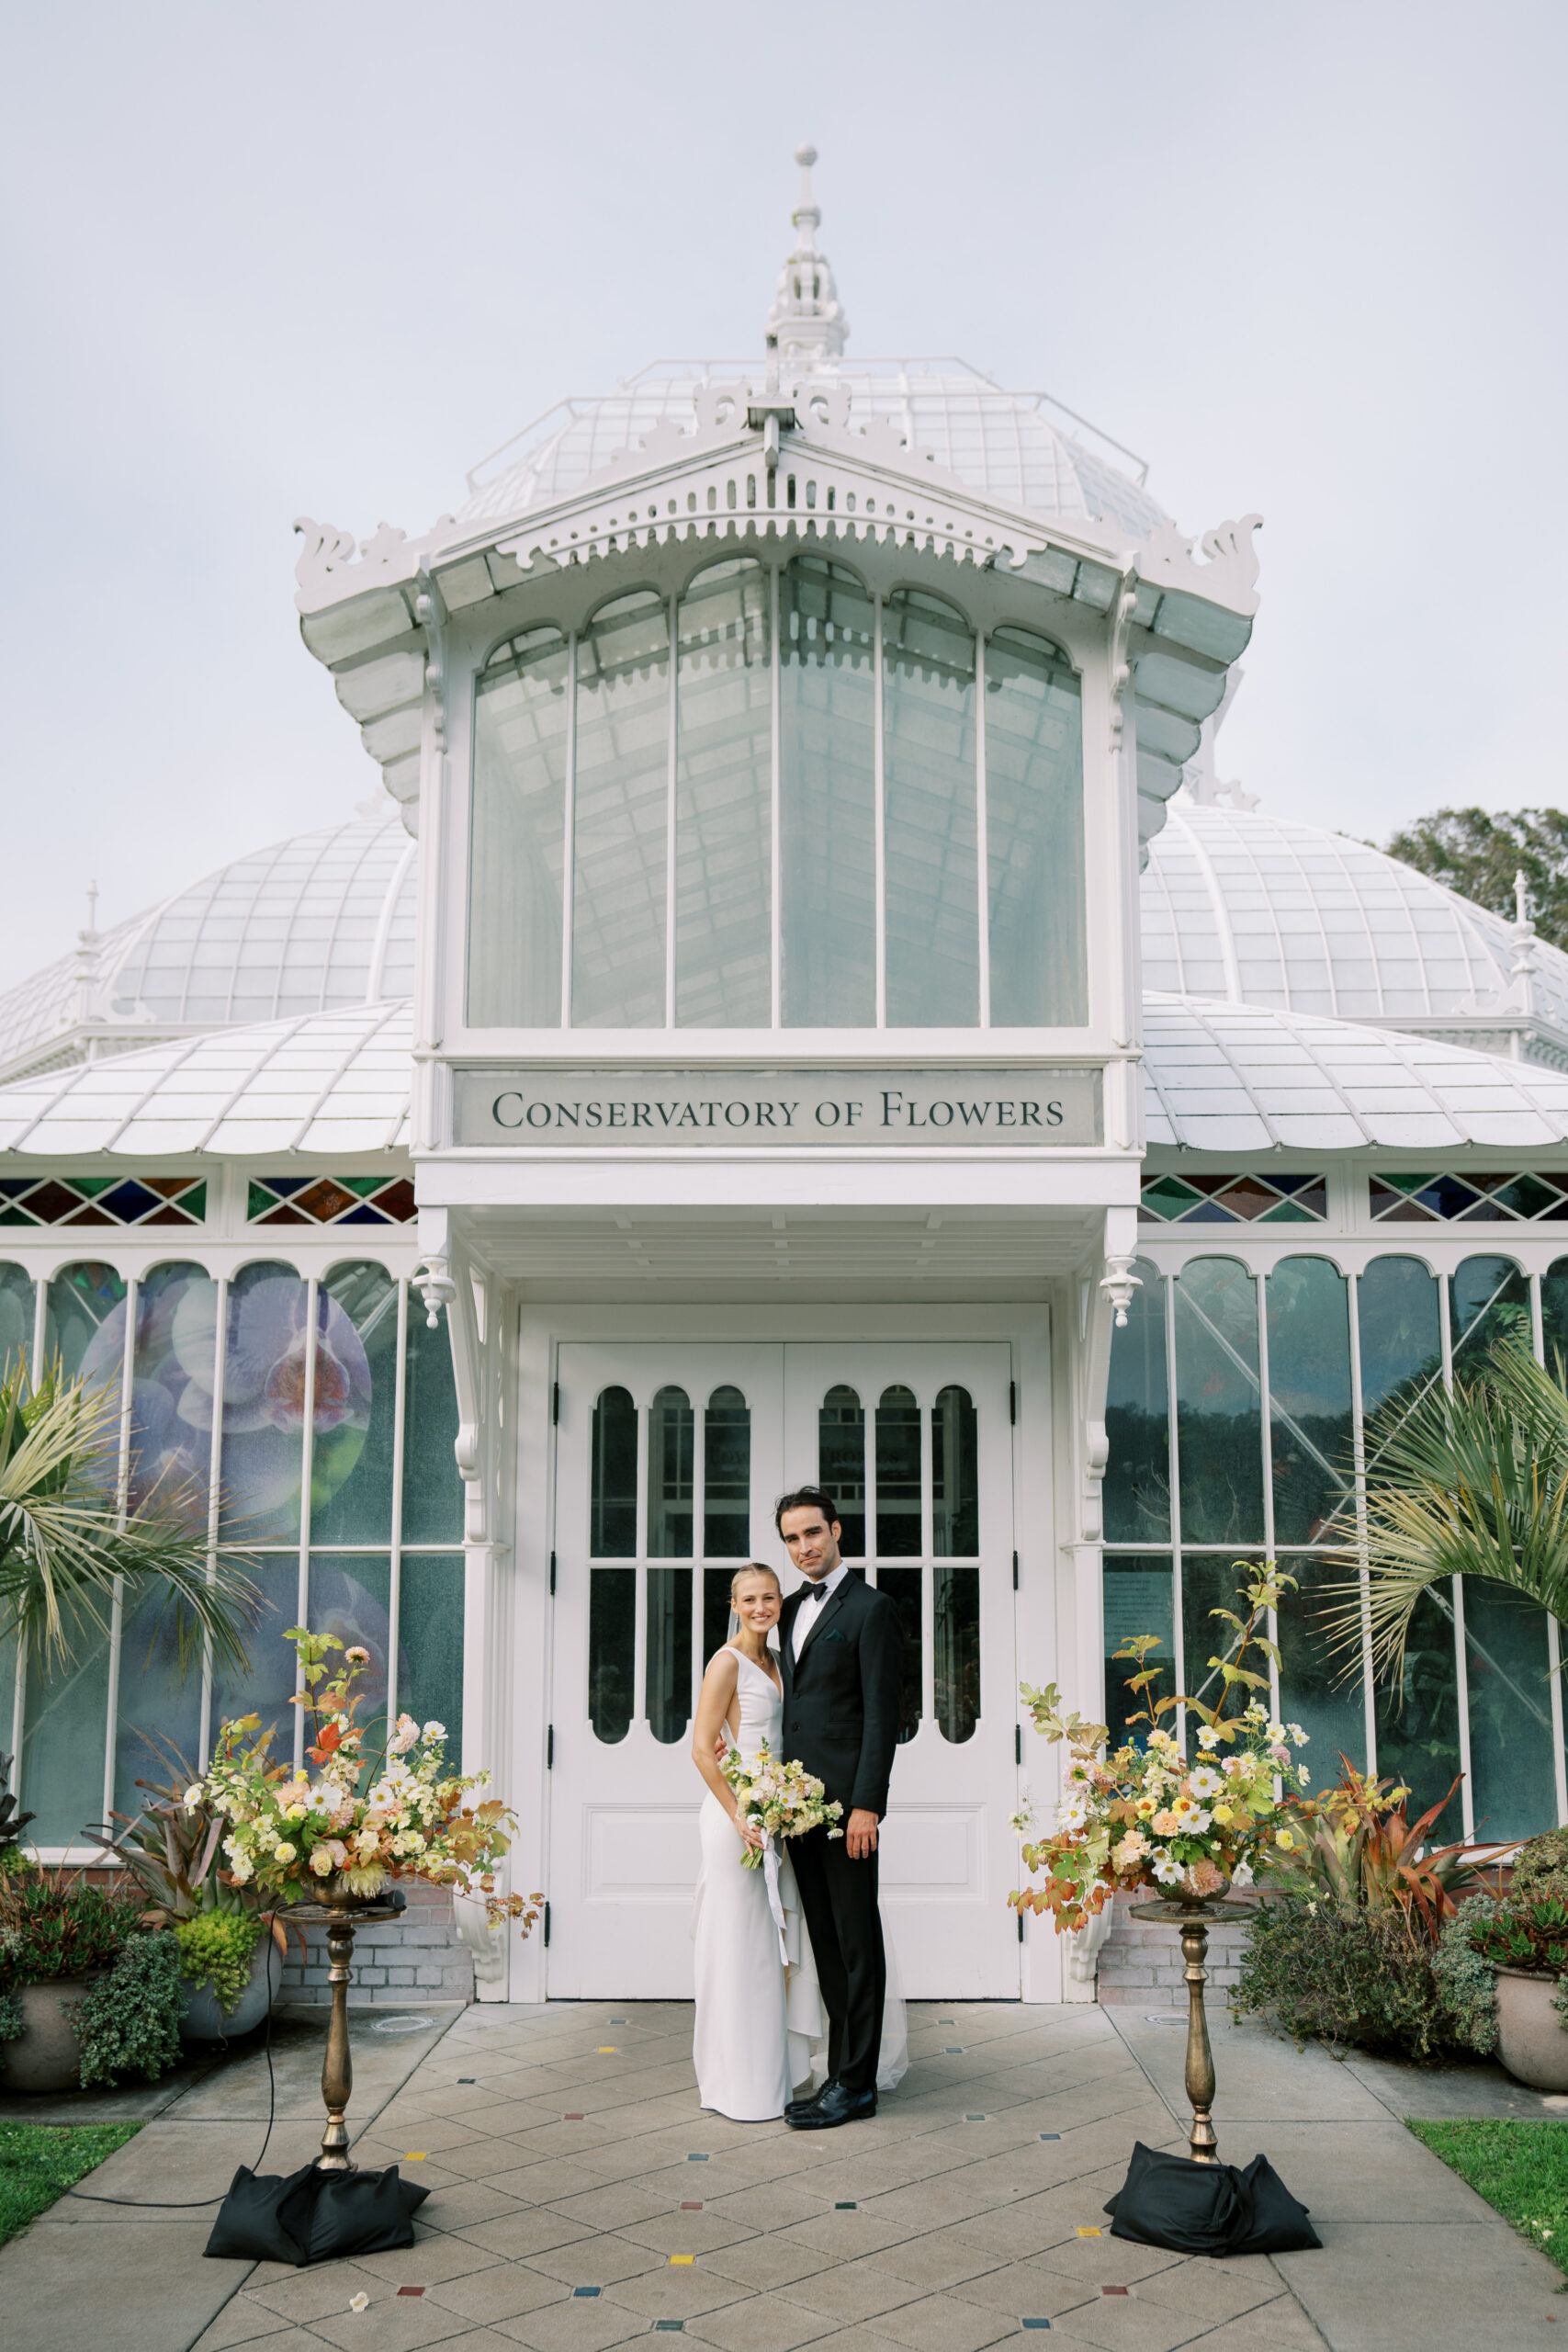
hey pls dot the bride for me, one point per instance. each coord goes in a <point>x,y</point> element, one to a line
<point>760,2029</point>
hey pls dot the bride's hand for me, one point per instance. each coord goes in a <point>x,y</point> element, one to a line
<point>749,1833</point>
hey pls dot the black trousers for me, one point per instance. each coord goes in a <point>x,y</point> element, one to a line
<point>839,1898</point>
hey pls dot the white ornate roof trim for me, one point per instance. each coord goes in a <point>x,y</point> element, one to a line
<point>1225,1077</point>
<point>330,1082</point>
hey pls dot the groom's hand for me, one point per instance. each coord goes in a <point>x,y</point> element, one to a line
<point>859,1834</point>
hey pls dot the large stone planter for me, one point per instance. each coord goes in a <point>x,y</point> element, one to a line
<point>1531,2042</point>
<point>47,2057</point>
<point>205,2019</point>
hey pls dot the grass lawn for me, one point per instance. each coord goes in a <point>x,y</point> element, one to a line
<point>40,2161</point>
<point>1520,2168</point>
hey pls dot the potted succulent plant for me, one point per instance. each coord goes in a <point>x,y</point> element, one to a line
<point>1525,1940</point>
<point>59,1936</point>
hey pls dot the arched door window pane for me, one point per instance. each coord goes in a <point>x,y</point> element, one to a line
<point>899,1475</point>
<point>612,1510</point>
<point>668,1675</point>
<point>1401,1359</point>
<point>16,1320</point>
<point>1219,1425</point>
<point>669,1440</point>
<point>956,1656</point>
<point>1489,1299</point>
<point>724,793</point>
<point>611,1650</point>
<point>840,1465</point>
<point>727,1476</point>
<point>1309,1401</point>
<point>930,832</point>
<point>827,797</point>
<point>1137,1420</point>
<point>518,834</point>
<point>955,1476</point>
<point>84,1324</point>
<point>620,830</point>
<point>1035,833</point>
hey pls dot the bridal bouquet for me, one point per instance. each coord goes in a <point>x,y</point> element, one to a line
<point>784,1798</point>
<point>1148,1816</point>
<point>368,1817</point>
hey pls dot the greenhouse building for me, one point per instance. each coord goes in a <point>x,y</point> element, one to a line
<point>803,1008</point>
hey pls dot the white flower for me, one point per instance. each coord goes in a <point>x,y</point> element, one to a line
<point>321,1862</point>
<point>1167,1871</point>
<point>1072,1816</point>
<point>241,1870</point>
<point>194,1794</point>
<point>1205,1782</point>
<point>1208,1737</point>
<point>284,1851</point>
<point>1304,1776</point>
<point>1242,1874</point>
<point>1197,1821</point>
<point>1298,1737</point>
<point>1276,1733</point>
<point>330,1798</point>
<point>433,1730</point>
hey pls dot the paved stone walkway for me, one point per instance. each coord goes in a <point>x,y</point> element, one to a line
<point>581,2198</point>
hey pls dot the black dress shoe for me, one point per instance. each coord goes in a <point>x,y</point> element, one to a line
<point>812,2099</point>
<point>836,2106</point>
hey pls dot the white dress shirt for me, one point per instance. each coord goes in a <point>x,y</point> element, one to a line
<point>808,1614</point>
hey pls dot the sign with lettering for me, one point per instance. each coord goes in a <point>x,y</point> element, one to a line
<point>778,1109</point>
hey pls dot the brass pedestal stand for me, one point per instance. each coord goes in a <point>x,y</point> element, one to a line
<point>1192,1921</point>
<point>339,1920</point>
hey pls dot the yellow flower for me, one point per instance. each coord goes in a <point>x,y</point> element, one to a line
<point>1282,1837</point>
<point>1224,1813</point>
<point>284,1853</point>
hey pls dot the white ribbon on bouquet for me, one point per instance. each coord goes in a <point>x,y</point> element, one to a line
<point>775,1901</point>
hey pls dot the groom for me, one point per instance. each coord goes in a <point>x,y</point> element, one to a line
<point>841,1648</point>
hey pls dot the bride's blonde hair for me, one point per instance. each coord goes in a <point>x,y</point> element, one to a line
<point>753,1568</point>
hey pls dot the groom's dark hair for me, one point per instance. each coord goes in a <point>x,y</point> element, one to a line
<point>805,1499</point>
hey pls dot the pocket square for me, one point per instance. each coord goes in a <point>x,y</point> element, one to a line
<point>833,1634</point>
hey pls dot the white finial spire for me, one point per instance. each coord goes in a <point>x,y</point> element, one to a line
<point>807,318</point>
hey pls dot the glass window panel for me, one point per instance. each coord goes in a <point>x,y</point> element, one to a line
<point>1137,1420</point>
<point>1489,1300</point>
<point>956,1659</point>
<point>1401,1334</point>
<point>85,1323</point>
<point>1553,1317</point>
<point>1417,1723</point>
<point>1309,1401</point>
<point>930,834</point>
<point>1034,834</point>
<point>15,1319</point>
<point>670,1444</point>
<point>827,797</point>
<point>1219,1425</point>
<point>264,1403</point>
<point>267,1686</point>
<point>899,1475</point>
<point>955,1476</point>
<point>727,1476</point>
<point>611,1650</point>
<point>1138,1598</point>
<point>623,782</point>
<point>1312,1694</point>
<point>173,1355</point>
<point>715,1610</point>
<point>1210,1580</point>
<point>432,1492</point>
<point>724,797</point>
<point>351,1597</point>
<point>430,1642</point>
<point>902,1586</point>
<point>613,1502</point>
<point>668,1694</point>
<point>518,834</point>
<point>1508,1674</point>
<point>840,1465</point>
<point>356,1403</point>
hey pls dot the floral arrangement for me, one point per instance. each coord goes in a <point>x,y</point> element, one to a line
<point>1144,1817</point>
<point>785,1800</point>
<point>368,1817</point>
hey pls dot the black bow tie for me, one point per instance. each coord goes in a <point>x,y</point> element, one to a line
<point>819,1591</point>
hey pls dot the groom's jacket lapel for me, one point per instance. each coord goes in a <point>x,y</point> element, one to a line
<point>825,1612</point>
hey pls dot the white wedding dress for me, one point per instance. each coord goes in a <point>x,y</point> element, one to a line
<point>760,2029</point>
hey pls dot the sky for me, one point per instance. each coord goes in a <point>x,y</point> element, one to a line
<point>318,260</point>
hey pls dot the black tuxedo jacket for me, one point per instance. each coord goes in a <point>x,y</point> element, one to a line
<point>841,1701</point>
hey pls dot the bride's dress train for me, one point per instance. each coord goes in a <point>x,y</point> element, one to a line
<point>761,2030</point>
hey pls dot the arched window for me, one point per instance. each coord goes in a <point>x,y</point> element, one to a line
<point>724,800</point>
<point>1034,834</point>
<point>518,834</point>
<point>929,799</point>
<point>827,797</point>
<point>620,826</point>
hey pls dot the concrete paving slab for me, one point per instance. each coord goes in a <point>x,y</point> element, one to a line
<point>1387,2286</point>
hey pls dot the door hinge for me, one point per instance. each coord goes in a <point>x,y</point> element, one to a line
<point>555,1403</point>
<point>1014,1574</point>
<point>1019,1929</point>
<point>1016,1742</point>
<point>553,1578</point>
<point>547,1927</point>
<point>1012,1402</point>
<point>550,1748</point>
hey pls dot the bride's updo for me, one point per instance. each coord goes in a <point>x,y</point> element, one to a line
<point>752,1568</point>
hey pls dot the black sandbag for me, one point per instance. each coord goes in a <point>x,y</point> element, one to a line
<point>1169,2201</point>
<point>314,2216</point>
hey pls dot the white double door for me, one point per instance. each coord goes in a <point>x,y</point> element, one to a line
<point>669,1459</point>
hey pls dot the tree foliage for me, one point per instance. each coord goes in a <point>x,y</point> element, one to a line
<point>1477,852</point>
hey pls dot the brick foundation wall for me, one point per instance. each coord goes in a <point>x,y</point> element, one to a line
<point>1140,1967</point>
<point>415,1959</point>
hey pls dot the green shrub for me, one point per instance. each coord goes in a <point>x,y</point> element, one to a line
<point>1540,1867</point>
<point>1466,1979</point>
<point>130,2021</point>
<point>50,1926</point>
<point>1343,1977</point>
<point>216,1949</point>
